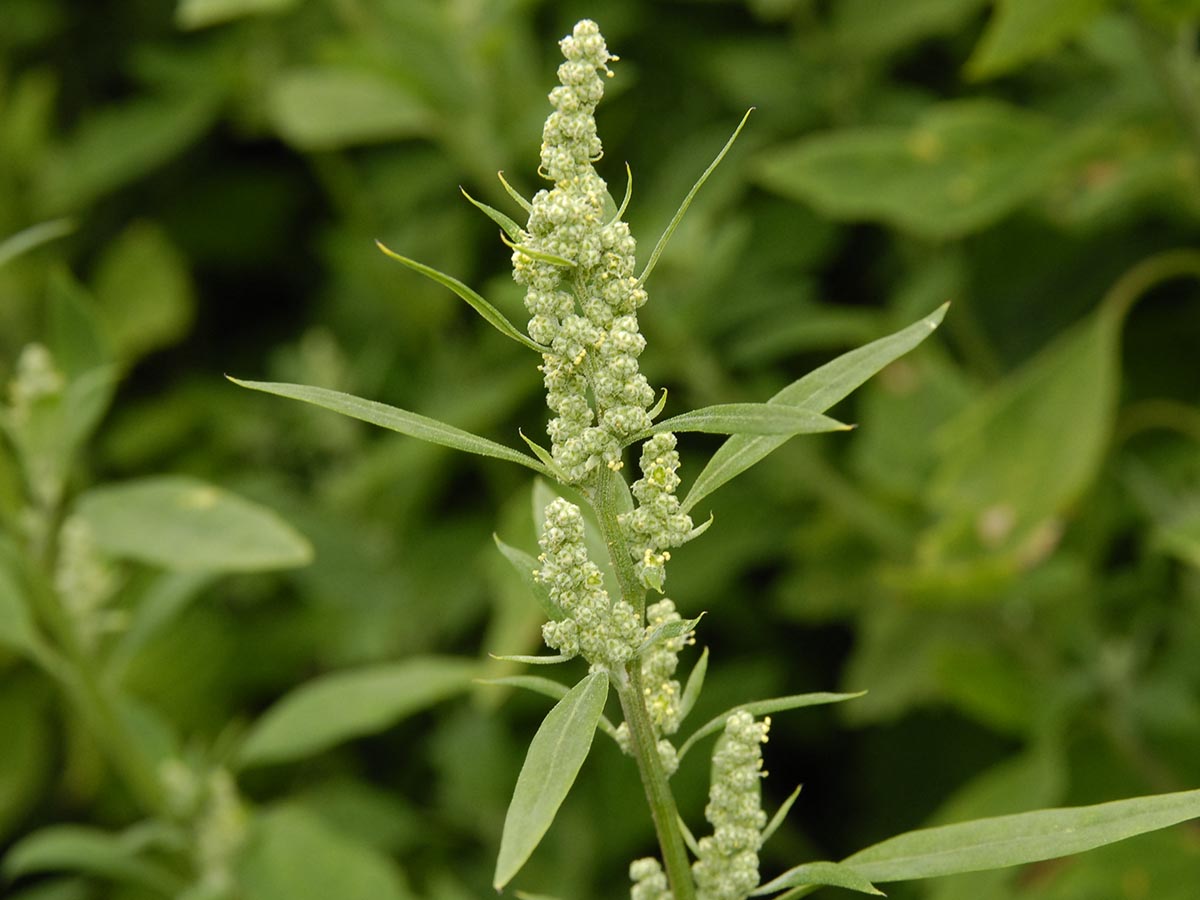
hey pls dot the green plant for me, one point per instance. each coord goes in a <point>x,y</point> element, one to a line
<point>606,544</point>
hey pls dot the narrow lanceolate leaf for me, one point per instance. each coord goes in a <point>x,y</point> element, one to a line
<point>815,392</point>
<point>750,418</point>
<point>394,419</point>
<point>32,237</point>
<point>526,566</point>
<point>541,255</point>
<point>547,687</point>
<point>1022,838</point>
<point>780,814</point>
<point>81,849</point>
<point>185,524</point>
<point>532,660</point>
<point>511,228</point>
<point>344,705</point>
<point>820,873</point>
<point>494,317</point>
<point>687,201</point>
<point>764,708</point>
<point>695,684</point>
<point>555,756</point>
<point>512,192</point>
<point>669,630</point>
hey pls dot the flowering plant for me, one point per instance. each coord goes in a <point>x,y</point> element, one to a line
<point>576,259</point>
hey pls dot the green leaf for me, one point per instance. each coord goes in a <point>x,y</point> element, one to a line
<point>120,143</point>
<point>763,708</point>
<point>687,201</point>
<point>749,418</point>
<point>815,392</point>
<point>1018,839</point>
<point>525,566</point>
<point>89,851</point>
<point>820,873</point>
<point>1021,30</point>
<point>960,167</point>
<point>494,317</point>
<point>331,107</point>
<point>27,754</point>
<point>669,630</point>
<point>144,291</point>
<point>1058,409</point>
<point>695,684</point>
<point>192,14</point>
<point>17,629</point>
<point>394,419</point>
<point>181,523</point>
<point>555,756</point>
<point>293,855</point>
<point>533,660</point>
<point>349,704</point>
<point>511,228</point>
<point>780,814</point>
<point>77,339</point>
<point>33,237</point>
<point>870,28</point>
<point>547,687</point>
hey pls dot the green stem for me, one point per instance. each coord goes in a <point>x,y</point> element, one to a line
<point>654,780</point>
<point>81,681</point>
<point>633,704</point>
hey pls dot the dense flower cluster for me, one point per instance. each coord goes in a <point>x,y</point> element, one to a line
<point>85,582</point>
<point>727,868</point>
<point>661,691</point>
<point>581,291</point>
<point>603,632</point>
<point>649,880</point>
<point>658,522</point>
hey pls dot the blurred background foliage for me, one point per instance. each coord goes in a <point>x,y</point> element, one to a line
<point>1004,553</point>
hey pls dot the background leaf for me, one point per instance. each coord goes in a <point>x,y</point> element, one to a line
<point>344,705</point>
<point>178,522</point>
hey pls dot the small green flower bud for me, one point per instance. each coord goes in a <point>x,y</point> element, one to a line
<point>649,880</point>
<point>727,868</point>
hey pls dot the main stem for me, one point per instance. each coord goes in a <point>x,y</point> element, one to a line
<point>633,704</point>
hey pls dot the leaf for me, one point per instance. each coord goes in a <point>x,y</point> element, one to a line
<point>343,705</point>
<point>394,419</point>
<point>1022,30</point>
<point>525,566</point>
<point>17,629</point>
<point>1022,838</point>
<point>511,228</point>
<point>533,660</point>
<point>749,418</point>
<point>870,28</point>
<point>27,753</point>
<point>762,708</point>
<point>555,756</point>
<point>77,339</point>
<point>181,523</point>
<point>33,237</point>
<point>687,201</point>
<point>815,392</point>
<point>960,167</point>
<point>331,107</point>
<point>90,851</point>
<point>1058,409</point>
<point>120,143</point>
<point>669,630</point>
<point>695,684</point>
<point>820,873</point>
<point>548,688</point>
<point>494,317</point>
<point>144,291</point>
<point>293,855</point>
<point>780,814</point>
<point>192,14</point>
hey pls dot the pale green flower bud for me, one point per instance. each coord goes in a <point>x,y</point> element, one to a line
<point>658,522</point>
<point>727,868</point>
<point>85,582</point>
<point>603,632</point>
<point>586,315</point>
<point>649,880</point>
